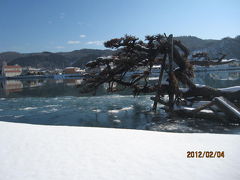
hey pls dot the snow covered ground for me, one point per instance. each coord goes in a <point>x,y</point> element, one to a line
<point>39,152</point>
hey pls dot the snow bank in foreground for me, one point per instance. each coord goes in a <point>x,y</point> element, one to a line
<point>50,152</point>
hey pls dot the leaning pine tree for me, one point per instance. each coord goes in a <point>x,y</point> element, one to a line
<point>133,53</point>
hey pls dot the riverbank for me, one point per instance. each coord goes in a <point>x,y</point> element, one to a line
<point>61,152</point>
<point>51,76</point>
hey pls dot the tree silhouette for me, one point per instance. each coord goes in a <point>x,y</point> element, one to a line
<point>133,54</point>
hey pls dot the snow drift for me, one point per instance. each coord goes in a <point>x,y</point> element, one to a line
<point>50,152</point>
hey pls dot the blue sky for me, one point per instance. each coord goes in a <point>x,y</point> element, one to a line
<point>65,25</point>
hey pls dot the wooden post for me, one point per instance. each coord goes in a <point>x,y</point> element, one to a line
<point>171,92</point>
<point>159,83</point>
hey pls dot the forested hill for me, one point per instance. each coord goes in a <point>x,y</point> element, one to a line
<point>53,60</point>
<point>228,46</point>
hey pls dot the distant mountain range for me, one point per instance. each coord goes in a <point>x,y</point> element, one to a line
<point>229,46</point>
<point>51,60</point>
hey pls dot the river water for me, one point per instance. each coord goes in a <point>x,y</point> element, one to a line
<point>59,102</point>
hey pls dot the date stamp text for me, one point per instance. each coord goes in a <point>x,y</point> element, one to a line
<point>205,154</point>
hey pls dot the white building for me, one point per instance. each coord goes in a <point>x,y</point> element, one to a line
<point>10,71</point>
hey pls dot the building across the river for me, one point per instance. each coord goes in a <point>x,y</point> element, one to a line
<point>11,71</point>
<point>72,70</point>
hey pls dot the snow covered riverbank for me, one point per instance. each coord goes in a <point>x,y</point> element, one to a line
<point>58,152</point>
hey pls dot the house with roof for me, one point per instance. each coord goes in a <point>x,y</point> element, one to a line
<point>11,70</point>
